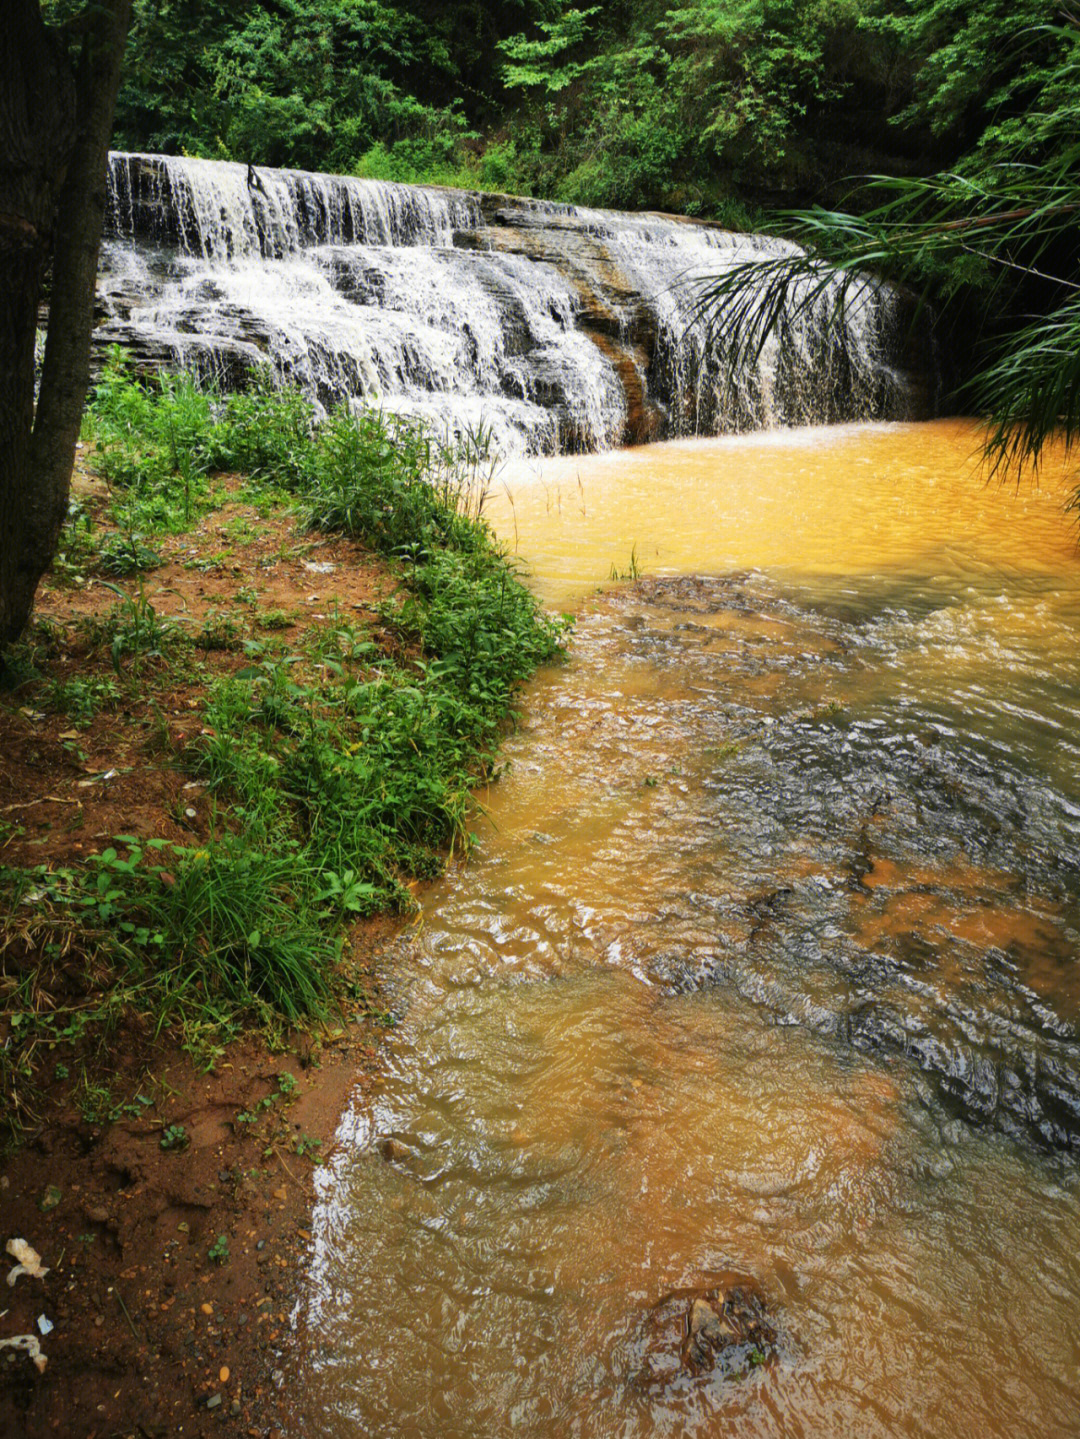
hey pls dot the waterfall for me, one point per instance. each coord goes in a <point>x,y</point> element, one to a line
<point>555,327</point>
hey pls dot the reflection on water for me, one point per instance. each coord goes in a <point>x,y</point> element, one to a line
<point>766,963</point>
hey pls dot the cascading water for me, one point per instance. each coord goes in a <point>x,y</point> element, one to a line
<point>555,328</point>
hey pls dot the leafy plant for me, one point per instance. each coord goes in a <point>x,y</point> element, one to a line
<point>81,699</point>
<point>174,1137</point>
<point>126,555</point>
<point>993,247</point>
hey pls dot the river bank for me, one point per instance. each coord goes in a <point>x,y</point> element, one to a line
<point>144,1323</point>
<point>194,687</point>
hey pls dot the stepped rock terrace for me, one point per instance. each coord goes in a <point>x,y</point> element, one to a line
<point>551,327</point>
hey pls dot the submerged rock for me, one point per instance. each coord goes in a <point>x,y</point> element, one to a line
<point>720,1332</point>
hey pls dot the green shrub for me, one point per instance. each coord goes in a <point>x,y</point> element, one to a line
<point>229,920</point>
<point>337,772</point>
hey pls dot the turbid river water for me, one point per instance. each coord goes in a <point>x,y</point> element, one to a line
<point>765,963</point>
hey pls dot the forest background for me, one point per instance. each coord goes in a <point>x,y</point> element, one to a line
<point>719,108</point>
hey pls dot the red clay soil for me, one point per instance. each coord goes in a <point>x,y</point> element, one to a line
<point>150,1336</point>
<point>171,1269</point>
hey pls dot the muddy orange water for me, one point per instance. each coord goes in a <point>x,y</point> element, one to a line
<point>766,961</point>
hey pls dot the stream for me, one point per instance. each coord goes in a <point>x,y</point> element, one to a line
<point>764,965</point>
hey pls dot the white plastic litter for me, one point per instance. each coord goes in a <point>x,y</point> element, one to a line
<point>29,1343</point>
<point>28,1261</point>
<point>45,1326</point>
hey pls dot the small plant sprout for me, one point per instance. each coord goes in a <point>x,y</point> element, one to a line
<point>174,1137</point>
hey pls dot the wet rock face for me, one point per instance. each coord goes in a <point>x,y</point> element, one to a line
<point>559,328</point>
<point>720,1332</point>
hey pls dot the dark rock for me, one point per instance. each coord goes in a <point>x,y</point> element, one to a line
<point>393,1151</point>
<point>722,1331</point>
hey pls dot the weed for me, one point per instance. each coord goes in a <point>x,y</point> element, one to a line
<point>286,1091</point>
<point>220,631</point>
<point>126,555</point>
<point>96,1104</point>
<point>632,572</point>
<point>218,1252</point>
<point>273,620</point>
<point>230,921</point>
<point>76,548</point>
<point>81,699</point>
<point>132,629</point>
<point>203,1039</point>
<point>174,1137</point>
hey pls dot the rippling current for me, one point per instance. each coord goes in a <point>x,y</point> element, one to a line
<point>766,961</point>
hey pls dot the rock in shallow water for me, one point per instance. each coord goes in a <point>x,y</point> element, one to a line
<point>719,1332</point>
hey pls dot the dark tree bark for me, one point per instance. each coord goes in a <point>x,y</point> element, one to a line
<point>55,123</point>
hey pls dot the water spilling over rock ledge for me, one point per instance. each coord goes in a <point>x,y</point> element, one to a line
<point>557,328</point>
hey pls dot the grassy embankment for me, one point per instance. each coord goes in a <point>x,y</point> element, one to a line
<point>332,757</point>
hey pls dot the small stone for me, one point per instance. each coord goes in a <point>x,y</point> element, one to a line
<point>224,1176</point>
<point>213,1401</point>
<point>260,1244</point>
<point>241,1321</point>
<point>207,1308</point>
<point>50,1199</point>
<point>234,1408</point>
<point>393,1150</point>
<point>99,1321</point>
<point>278,1376</point>
<point>281,1193</point>
<point>97,1214</point>
<point>223,1374</point>
<point>700,1315</point>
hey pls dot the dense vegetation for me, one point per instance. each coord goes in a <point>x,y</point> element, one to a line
<point>993,245</point>
<point>337,762</point>
<point>693,107</point>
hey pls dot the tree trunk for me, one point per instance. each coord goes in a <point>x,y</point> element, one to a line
<point>54,139</point>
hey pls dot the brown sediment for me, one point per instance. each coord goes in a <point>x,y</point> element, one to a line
<point>960,901</point>
<point>144,1320</point>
